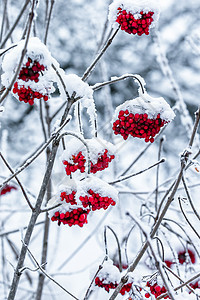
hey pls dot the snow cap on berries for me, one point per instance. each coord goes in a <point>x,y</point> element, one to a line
<point>149,105</point>
<point>98,186</point>
<point>36,76</point>
<point>142,117</point>
<point>145,10</point>
<point>109,273</point>
<point>74,157</point>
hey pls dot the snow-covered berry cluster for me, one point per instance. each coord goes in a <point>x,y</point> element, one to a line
<point>96,201</point>
<point>156,290</point>
<point>134,17</point>
<point>76,199</point>
<point>36,76</point>
<point>135,25</point>
<point>27,94</point>
<point>7,188</point>
<point>109,278</point>
<point>142,117</point>
<point>182,256</point>
<point>101,154</point>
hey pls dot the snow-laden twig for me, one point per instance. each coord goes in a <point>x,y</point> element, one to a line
<point>136,77</point>
<point>189,198</point>
<point>48,21</point>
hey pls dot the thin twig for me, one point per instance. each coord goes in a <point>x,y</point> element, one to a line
<point>186,218</point>
<point>157,173</point>
<point>15,24</point>
<point>93,64</point>
<point>118,247</point>
<point>190,199</point>
<point>48,21</point>
<point>47,275</point>
<point>18,181</point>
<point>117,79</point>
<point>181,285</point>
<point>138,173</point>
<point>23,53</point>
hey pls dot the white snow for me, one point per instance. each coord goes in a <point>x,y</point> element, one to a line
<point>37,51</point>
<point>109,273</point>
<point>149,105</point>
<point>134,7</point>
<point>96,147</point>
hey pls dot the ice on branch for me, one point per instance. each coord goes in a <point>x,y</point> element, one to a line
<point>134,17</point>
<point>36,76</point>
<point>74,157</point>
<point>142,117</point>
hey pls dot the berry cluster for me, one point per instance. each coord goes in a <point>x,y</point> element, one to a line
<point>69,198</point>
<point>106,286</point>
<point>31,71</point>
<point>102,162</point>
<point>27,94</point>
<point>7,189</point>
<point>134,25</point>
<point>183,254</point>
<point>156,290</point>
<point>75,217</point>
<point>79,163</point>
<point>111,285</point>
<point>126,288</point>
<point>96,201</point>
<point>195,285</point>
<point>137,125</point>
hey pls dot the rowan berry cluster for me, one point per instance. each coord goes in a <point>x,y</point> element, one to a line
<point>27,94</point>
<point>102,162</point>
<point>137,125</point>
<point>8,188</point>
<point>182,255</point>
<point>111,285</point>
<point>96,201</point>
<point>156,290</point>
<point>135,25</point>
<point>69,198</point>
<point>74,217</point>
<point>31,71</point>
<point>79,163</point>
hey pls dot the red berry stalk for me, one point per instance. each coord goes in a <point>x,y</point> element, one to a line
<point>183,254</point>
<point>133,25</point>
<point>111,285</point>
